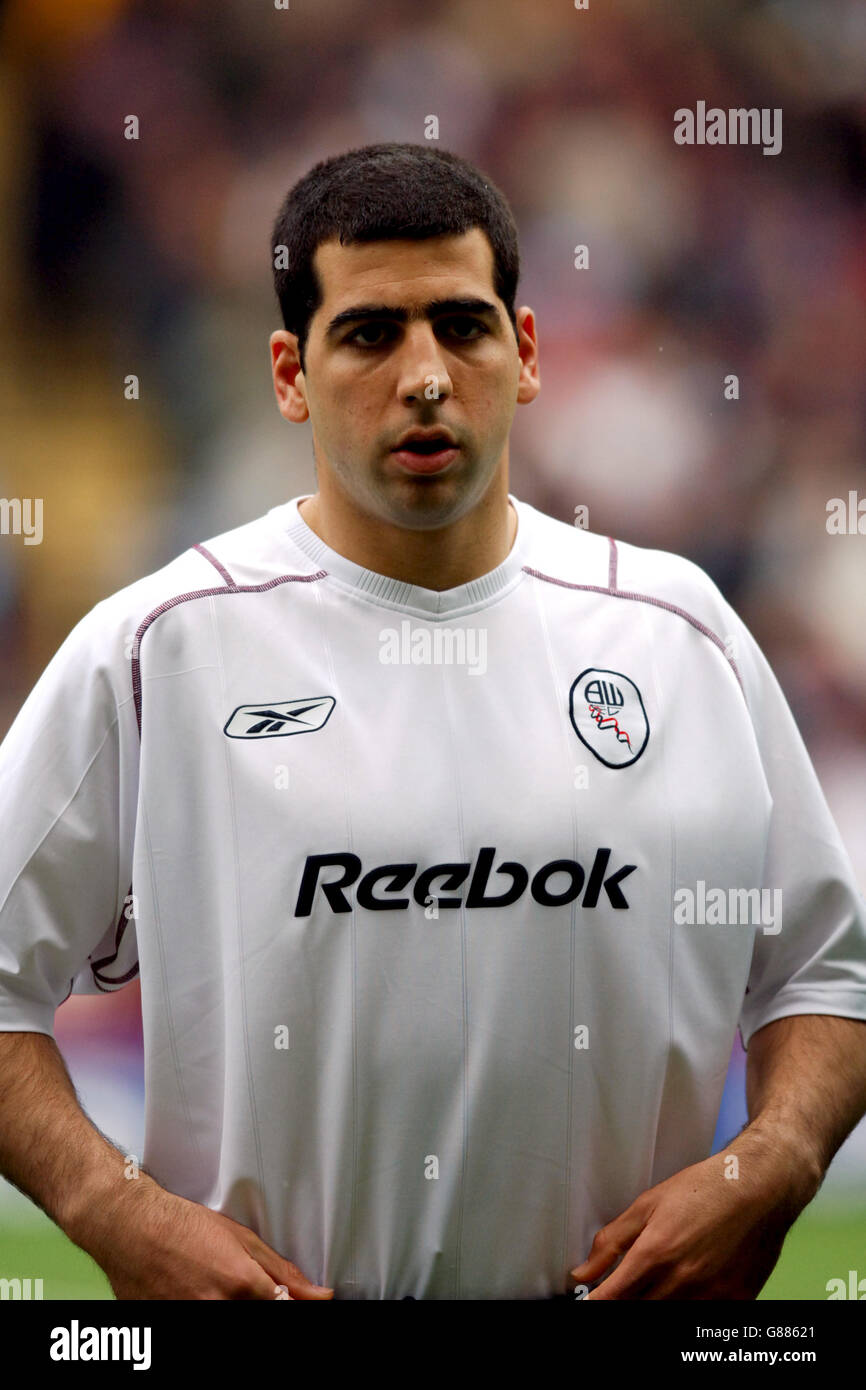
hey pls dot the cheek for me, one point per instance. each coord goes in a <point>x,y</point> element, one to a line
<point>353,424</point>
<point>492,407</point>
<point>341,408</point>
<point>495,387</point>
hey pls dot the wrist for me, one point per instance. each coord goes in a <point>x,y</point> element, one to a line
<point>789,1159</point>
<point>103,1203</point>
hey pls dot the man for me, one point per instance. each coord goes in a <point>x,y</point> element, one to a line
<point>408,802</point>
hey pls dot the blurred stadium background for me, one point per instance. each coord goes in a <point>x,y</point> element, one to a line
<point>151,257</point>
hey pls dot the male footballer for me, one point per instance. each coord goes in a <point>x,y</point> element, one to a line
<point>452,845</point>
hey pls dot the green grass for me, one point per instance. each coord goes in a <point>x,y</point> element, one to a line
<point>825,1243</point>
<point>34,1247</point>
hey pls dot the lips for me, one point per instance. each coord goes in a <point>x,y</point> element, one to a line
<point>426,451</point>
<point>427,441</point>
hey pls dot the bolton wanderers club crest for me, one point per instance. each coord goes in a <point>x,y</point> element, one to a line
<point>608,716</point>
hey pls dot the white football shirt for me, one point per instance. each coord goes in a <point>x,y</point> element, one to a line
<point>446,905</point>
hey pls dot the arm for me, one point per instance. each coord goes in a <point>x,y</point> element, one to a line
<point>68,793</point>
<point>700,1234</point>
<point>151,1243</point>
<point>48,1147</point>
<point>806,1085</point>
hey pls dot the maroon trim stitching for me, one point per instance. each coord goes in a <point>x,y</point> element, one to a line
<point>203,550</point>
<point>96,966</point>
<point>645,598</point>
<point>118,981</point>
<point>203,593</point>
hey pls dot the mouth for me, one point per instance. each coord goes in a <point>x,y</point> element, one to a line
<point>426,452</point>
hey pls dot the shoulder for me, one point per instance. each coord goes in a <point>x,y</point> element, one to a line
<point>245,556</point>
<point>570,556</point>
<point>249,555</point>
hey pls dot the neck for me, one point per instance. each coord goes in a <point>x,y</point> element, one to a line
<point>442,559</point>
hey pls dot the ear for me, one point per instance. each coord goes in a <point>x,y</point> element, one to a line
<point>529,383</point>
<point>289,385</point>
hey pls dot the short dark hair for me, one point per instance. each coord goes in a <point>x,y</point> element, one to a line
<point>385,192</point>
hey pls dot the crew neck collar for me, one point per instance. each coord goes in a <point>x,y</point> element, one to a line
<point>396,593</point>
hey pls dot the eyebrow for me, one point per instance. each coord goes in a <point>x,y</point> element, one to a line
<point>434,309</point>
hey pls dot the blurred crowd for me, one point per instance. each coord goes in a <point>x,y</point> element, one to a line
<point>151,257</point>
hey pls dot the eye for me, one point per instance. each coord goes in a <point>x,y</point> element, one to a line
<point>466,322</point>
<point>372,328</point>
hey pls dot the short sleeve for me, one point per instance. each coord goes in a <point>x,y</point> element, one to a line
<point>812,959</point>
<point>68,791</point>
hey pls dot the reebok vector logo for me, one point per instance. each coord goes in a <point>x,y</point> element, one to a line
<point>274,720</point>
<point>553,885</point>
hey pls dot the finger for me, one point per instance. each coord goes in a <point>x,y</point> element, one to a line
<point>600,1259</point>
<point>637,1276</point>
<point>285,1273</point>
<point>281,1270</point>
<point>610,1243</point>
<point>260,1284</point>
<point>299,1286</point>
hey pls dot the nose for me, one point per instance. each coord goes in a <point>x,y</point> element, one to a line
<point>423,372</point>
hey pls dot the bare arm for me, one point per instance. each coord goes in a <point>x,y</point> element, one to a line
<point>715,1229</point>
<point>806,1084</point>
<point>48,1147</point>
<point>152,1244</point>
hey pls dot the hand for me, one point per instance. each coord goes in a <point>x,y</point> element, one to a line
<point>153,1244</point>
<point>700,1234</point>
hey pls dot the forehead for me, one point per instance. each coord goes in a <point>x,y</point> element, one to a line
<point>403,273</point>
